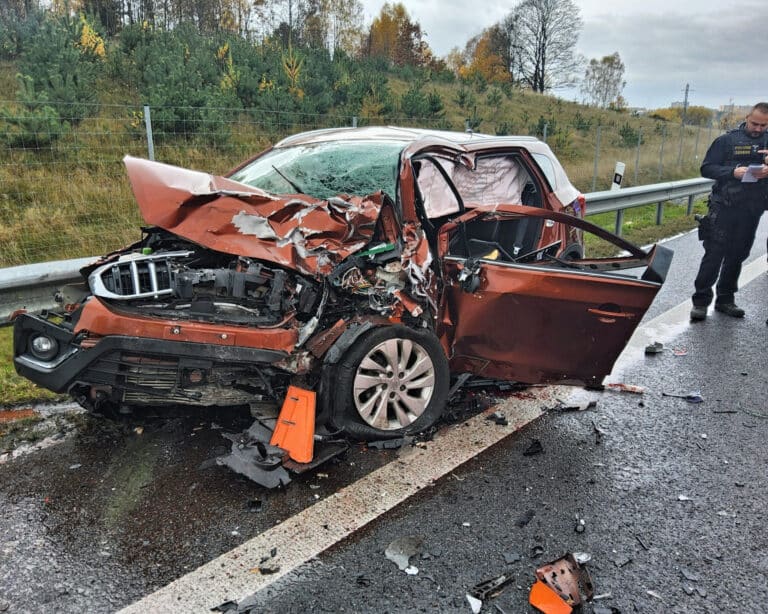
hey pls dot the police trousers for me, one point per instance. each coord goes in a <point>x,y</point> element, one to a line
<point>726,245</point>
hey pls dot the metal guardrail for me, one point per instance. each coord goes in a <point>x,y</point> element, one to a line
<point>659,193</point>
<point>34,286</point>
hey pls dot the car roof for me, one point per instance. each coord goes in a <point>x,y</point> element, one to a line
<point>404,135</point>
<point>410,138</point>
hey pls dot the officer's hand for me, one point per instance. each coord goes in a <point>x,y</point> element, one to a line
<point>764,152</point>
<point>762,173</point>
<point>739,171</point>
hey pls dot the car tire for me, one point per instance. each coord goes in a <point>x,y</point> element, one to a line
<point>371,400</point>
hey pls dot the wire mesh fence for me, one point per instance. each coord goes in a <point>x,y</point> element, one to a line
<point>64,192</point>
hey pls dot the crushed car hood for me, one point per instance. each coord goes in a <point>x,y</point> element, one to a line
<point>300,232</point>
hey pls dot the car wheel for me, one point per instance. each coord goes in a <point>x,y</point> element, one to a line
<point>393,381</point>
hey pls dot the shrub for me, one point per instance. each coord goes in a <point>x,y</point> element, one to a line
<point>33,123</point>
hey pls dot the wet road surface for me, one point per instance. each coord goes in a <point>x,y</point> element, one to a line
<point>118,510</point>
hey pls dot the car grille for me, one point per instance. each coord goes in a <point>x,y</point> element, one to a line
<point>136,277</point>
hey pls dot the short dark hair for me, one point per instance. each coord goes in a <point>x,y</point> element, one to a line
<point>760,106</point>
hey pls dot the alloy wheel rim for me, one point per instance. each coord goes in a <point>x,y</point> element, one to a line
<point>393,384</point>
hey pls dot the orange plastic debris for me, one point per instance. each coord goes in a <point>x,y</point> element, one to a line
<point>544,599</point>
<point>295,428</point>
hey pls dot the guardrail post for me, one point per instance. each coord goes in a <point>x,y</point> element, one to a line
<point>619,222</point>
<point>597,157</point>
<point>689,209</point>
<point>148,125</point>
<point>659,213</point>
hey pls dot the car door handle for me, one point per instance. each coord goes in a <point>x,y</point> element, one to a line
<point>611,314</point>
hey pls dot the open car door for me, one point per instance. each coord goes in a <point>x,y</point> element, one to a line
<point>534,317</point>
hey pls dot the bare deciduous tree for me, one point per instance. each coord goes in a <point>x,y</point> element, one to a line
<point>542,36</point>
<point>603,81</point>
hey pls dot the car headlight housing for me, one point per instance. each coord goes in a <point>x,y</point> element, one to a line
<point>43,347</point>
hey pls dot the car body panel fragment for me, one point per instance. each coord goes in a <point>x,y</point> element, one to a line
<point>300,232</point>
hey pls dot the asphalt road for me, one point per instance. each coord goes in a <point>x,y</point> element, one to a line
<point>670,493</point>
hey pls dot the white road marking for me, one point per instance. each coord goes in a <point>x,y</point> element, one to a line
<point>234,575</point>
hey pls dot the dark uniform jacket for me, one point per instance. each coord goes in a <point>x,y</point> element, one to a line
<point>732,149</point>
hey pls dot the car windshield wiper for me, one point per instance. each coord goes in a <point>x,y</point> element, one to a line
<point>292,183</point>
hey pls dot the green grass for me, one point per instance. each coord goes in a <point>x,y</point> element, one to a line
<point>640,226</point>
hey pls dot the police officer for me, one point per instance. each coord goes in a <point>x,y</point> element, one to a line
<point>736,162</point>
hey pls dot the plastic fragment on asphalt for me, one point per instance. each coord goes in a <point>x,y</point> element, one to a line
<point>680,352</point>
<point>545,600</point>
<point>655,595</point>
<point>475,604</point>
<point>411,570</point>
<point>534,448</point>
<point>402,549</point>
<point>512,557</point>
<point>654,348</point>
<point>689,575</point>
<point>524,518</point>
<point>563,407</point>
<point>684,498</point>
<point>582,557</point>
<point>390,444</point>
<point>498,418</point>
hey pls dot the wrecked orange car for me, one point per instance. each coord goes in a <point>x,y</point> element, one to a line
<point>364,265</point>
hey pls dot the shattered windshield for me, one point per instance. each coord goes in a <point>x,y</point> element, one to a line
<point>324,170</point>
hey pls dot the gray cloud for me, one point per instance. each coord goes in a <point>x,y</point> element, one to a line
<point>716,47</point>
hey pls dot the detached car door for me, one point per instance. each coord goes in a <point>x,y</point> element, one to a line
<point>535,317</point>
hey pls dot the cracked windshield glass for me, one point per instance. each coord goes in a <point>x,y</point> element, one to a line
<point>325,170</point>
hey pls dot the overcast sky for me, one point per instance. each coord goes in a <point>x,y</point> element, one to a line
<point>717,47</point>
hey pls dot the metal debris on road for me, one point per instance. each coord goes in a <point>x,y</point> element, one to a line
<point>691,397</point>
<point>619,387</point>
<point>561,585</point>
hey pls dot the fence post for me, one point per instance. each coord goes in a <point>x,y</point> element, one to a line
<point>546,128</point>
<point>354,121</point>
<point>148,125</point>
<point>661,152</point>
<point>696,146</point>
<point>680,147</point>
<point>637,155</point>
<point>597,157</point>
